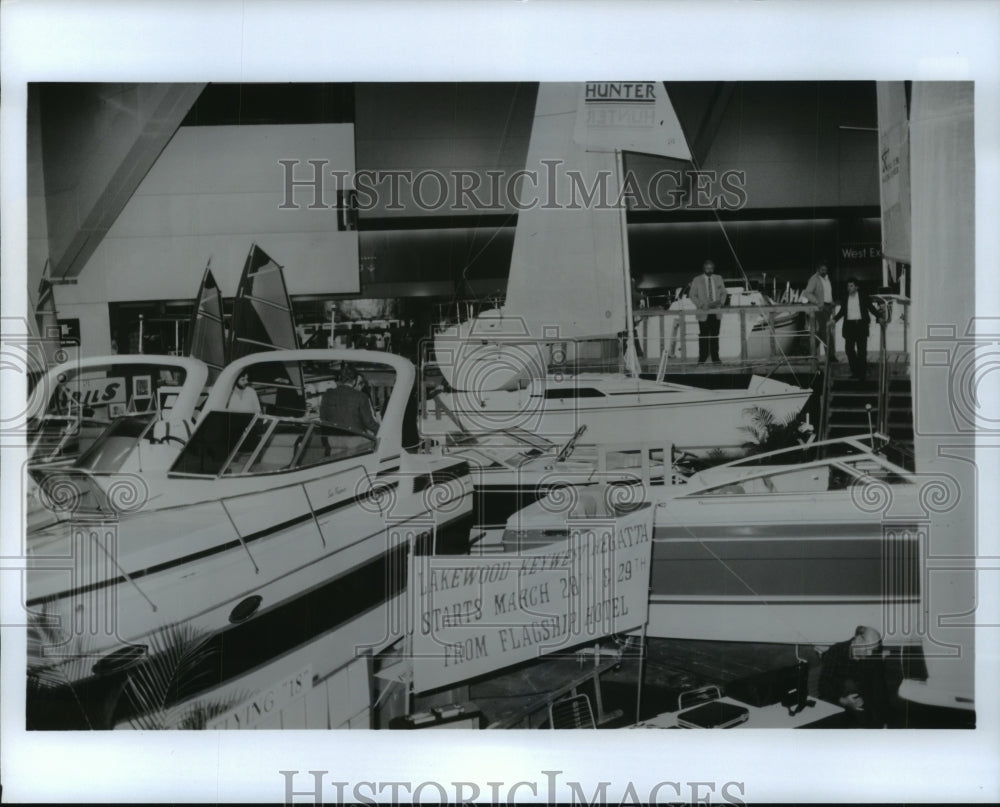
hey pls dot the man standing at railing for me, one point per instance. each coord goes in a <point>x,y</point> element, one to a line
<point>708,293</point>
<point>820,294</point>
<point>857,311</point>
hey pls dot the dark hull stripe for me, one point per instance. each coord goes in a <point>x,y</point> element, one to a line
<point>767,530</point>
<point>204,553</point>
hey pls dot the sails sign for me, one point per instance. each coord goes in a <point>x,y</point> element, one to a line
<point>477,615</point>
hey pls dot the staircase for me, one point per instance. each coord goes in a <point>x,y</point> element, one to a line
<point>848,413</point>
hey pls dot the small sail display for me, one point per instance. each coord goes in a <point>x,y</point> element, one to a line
<point>208,333</point>
<point>262,315</point>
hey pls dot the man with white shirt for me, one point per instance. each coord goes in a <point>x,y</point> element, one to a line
<point>819,293</point>
<point>856,311</point>
<point>708,293</point>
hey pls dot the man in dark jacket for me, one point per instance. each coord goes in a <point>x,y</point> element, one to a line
<point>856,310</point>
<point>346,406</point>
<point>853,676</point>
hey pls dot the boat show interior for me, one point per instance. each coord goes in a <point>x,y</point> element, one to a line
<point>509,405</point>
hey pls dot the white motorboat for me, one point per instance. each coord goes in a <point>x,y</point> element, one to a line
<point>73,404</point>
<point>788,546</point>
<point>513,469</point>
<point>264,533</point>
<point>569,283</point>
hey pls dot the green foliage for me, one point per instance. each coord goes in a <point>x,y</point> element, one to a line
<point>766,433</point>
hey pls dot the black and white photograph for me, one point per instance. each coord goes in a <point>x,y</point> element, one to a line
<point>583,403</point>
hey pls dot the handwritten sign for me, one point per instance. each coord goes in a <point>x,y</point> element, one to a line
<point>479,614</point>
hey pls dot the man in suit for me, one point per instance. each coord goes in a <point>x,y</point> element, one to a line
<point>819,293</point>
<point>708,293</point>
<point>346,406</point>
<point>856,310</point>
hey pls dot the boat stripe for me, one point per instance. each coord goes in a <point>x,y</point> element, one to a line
<point>204,553</point>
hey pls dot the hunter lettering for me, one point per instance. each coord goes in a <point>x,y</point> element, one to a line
<point>620,91</point>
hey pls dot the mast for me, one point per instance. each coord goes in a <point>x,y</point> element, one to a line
<point>631,359</point>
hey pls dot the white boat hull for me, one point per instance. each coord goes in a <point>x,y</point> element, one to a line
<point>622,410</point>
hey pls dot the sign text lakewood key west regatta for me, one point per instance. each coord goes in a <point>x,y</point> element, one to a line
<point>477,615</point>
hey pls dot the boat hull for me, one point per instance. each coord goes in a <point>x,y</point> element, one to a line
<point>778,581</point>
<point>253,577</point>
<point>692,419</point>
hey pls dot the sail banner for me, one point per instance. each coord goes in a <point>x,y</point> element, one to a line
<point>262,315</point>
<point>207,340</point>
<point>478,615</point>
<point>629,116</point>
<point>894,170</point>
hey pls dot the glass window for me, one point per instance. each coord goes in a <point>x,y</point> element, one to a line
<point>217,435</point>
<point>116,443</point>
<point>245,452</point>
<point>326,443</point>
<point>281,448</point>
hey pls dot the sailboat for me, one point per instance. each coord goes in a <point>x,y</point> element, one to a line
<point>265,533</point>
<point>207,331</point>
<point>570,281</point>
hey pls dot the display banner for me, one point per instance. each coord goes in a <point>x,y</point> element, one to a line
<point>894,169</point>
<point>476,615</point>
<point>97,391</point>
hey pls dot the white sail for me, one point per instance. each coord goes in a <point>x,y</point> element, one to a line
<point>629,116</point>
<point>943,351</point>
<point>567,264</point>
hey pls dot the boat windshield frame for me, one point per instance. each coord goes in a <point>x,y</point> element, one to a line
<point>261,428</point>
<point>93,451</point>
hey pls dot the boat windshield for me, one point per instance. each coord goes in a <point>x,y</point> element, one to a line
<point>112,448</point>
<point>798,455</point>
<point>56,438</point>
<point>241,443</point>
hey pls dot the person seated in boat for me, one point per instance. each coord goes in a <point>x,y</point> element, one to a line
<point>853,676</point>
<point>244,397</point>
<point>346,406</point>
